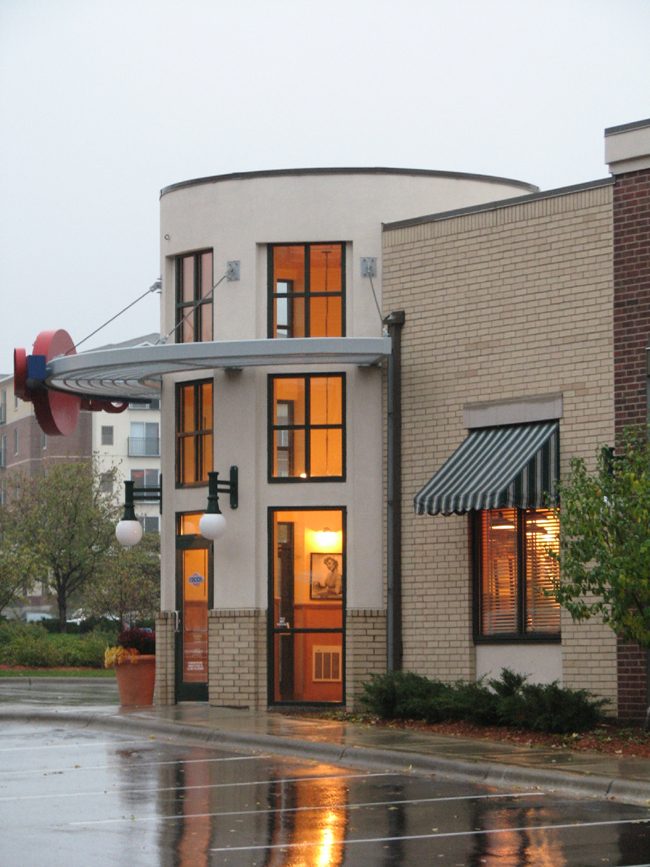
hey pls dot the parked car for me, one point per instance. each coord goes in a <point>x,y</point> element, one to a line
<point>35,616</point>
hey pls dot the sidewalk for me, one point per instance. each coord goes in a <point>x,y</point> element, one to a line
<point>93,703</point>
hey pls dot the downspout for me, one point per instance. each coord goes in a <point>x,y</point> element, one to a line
<point>394,323</point>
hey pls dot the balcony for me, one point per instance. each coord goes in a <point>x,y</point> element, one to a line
<point>144,447</point>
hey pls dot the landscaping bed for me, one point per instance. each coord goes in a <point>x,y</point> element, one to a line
<point>607,737</point>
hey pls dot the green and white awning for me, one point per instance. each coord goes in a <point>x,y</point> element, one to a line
<point>497,467</point>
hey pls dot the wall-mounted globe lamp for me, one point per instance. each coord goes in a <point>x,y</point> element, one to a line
<point>129,530</point>
<point>213,524</point>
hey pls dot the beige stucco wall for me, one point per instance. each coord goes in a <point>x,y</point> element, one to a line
<point>509,303</point>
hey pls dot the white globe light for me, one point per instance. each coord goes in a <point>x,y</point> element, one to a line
<point>212,526</point>
<point>128,533</point>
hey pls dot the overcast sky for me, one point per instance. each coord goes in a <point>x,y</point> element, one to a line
<point>104,102</point>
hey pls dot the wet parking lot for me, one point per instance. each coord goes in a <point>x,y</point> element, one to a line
<point>68,794</point>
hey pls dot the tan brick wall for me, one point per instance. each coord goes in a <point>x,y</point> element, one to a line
<point>365,651</point>
<point>513,302</point>
<point>237,658</point>
<point>165,660</point>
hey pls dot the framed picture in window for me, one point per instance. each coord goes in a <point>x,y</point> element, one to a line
<point>326,577</point>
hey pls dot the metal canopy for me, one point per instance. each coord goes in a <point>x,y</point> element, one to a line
<point>134,372</point>
<point>495,467</point>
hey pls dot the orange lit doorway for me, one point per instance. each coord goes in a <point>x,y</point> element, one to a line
<point>194,597</point>
<point>306,606</point>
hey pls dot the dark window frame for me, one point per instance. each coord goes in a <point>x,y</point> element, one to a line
<point>273,630</point>
<point>197,432</point>
<point>273,429</point>
<point>203,306</point>
<point>307,295</point>
<point>520,636</point>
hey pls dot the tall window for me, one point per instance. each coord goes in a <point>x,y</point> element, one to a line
<point>3,406</point>
<point>193,432</point>
<point>515,571</point>
<point>194,297</point>
<point>306,427</point>
<point>107,434</point>
<point>306,290</point>
<point>3,451</point>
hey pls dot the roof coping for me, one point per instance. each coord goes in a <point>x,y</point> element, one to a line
<point>501,203</point>
<point>379,170</point>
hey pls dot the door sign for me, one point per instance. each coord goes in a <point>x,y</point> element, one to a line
<point>195,579</point>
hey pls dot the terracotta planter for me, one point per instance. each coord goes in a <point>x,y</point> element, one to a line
<point>135,681</point>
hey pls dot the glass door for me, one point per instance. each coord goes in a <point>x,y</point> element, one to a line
<point>306,606</point>
<point>194,597</point>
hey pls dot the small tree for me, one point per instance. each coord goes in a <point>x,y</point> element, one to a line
<point>604,554</point>
<point>67,523</point>
<point>127,583</point>
<point>19,567</point>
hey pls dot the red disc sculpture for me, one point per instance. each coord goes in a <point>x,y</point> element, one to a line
<point>57,412</point>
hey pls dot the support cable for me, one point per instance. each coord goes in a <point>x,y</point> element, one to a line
<point>157,286</point>
<point>374,295</point>
<point>190,312</point>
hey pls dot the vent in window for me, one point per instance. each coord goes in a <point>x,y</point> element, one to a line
<point>327,664</point>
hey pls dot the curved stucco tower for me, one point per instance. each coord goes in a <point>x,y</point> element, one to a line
<point>290,604</point>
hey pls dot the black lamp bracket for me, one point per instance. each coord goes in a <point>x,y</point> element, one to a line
<point>133,495</point>
<point>216,487</point>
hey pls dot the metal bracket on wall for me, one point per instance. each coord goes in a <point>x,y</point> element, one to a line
<point>232,272</point>
<point>368,266</point>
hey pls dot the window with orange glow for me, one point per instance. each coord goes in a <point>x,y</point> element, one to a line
<point>306,427</point>
<point>193,432</point>
<point>306,290</point>
<point>516,573</point>
<point>307,601</point>
<point>194,319</point>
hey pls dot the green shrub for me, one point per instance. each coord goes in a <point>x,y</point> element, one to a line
<point>550,708</point>
<point>31,645</point>
<point>507,701</point>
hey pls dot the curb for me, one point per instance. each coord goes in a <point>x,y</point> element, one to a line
<point>494,774</point>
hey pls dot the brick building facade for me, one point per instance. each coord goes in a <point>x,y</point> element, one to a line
<point>628,149</point>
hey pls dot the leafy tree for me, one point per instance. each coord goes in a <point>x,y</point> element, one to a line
<point>126,585</point>
<point>18,565</point>
<point>604,554</point>
<point>66,522</point>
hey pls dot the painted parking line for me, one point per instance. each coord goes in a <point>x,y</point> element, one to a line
<point>143,765</point>
<point>58,795</point>
<point>440,836</point>
<point>182,817</point>
<point>74,746</point>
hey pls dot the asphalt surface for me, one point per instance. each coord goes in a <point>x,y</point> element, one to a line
<point>171,785</point>
<point>70,796</point>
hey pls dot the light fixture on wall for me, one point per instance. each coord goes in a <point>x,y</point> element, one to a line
<point>213,524</point>
<point>129,530</point>
<point>327,539</point>
<point>501,523</point>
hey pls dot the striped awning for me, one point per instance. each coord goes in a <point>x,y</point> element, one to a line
<point>497,467</point>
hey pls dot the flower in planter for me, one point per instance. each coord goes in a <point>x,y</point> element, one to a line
<point>132,644</point>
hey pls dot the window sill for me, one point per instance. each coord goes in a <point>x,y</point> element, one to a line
<point>534,638</point>
<point>297,480</point>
